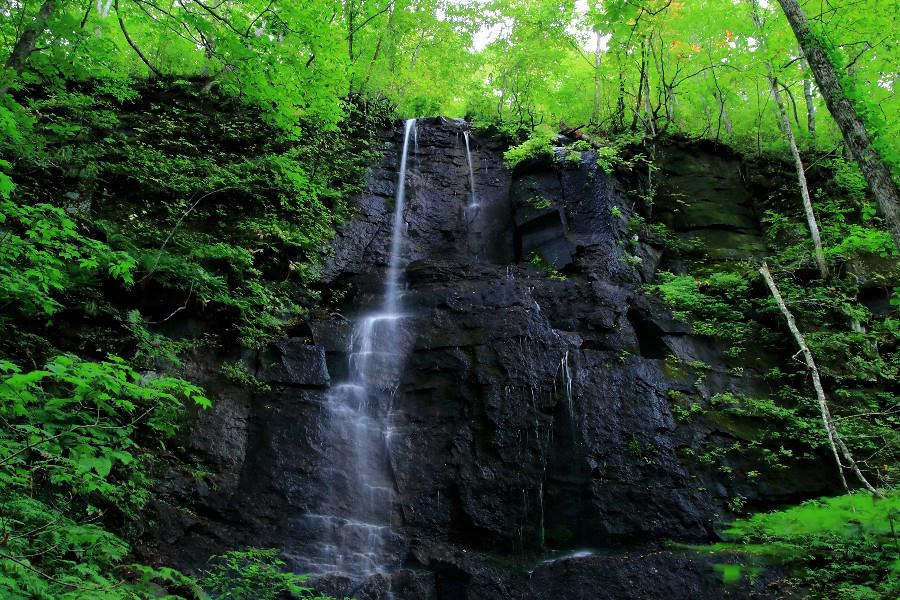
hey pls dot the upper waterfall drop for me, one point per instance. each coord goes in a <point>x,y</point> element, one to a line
<point>392,281</point>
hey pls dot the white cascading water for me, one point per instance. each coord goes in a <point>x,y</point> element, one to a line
<point>361,492</point>
<point>473,198</point>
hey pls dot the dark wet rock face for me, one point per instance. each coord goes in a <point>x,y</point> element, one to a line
<point>532,416</point>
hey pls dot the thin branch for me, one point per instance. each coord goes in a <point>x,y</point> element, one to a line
<point>177,310</point>
<point>86,13</point>
<point>218,17</point>
<point>258,17</point>
<point>177,223</point>
<point>364,23</point>
<point>131,43</point>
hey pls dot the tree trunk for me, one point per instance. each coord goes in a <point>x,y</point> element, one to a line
<point>801,178</point>
<point>26,44</point>
<point>723,119</point>
<point>810,110</point>
<point>852,127</point>
<point>838,448</point>
<point>651,118</point>
<point>795,152</point>
<point>640,91</point>
<point>595,116</point>
<point>619,120</point>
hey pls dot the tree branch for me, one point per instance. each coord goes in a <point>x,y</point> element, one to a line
<point>131,43</point>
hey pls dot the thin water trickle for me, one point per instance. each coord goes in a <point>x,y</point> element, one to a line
<point>358,530</point>
<point>473,197</point>
<point>567,382</point>
<point>541,506</point>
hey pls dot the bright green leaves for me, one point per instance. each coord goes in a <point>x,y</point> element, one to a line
<point>226,211</point>
<point>69,456</point>
<point>538,146</point>
<point>714,305</point>
<point>843,548</point>
<point>6,184</point>
<point>253,574</point>
<point>43,255</point>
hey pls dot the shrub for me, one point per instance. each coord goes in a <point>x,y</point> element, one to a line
<point>539,145</point>
<point>253,574</point>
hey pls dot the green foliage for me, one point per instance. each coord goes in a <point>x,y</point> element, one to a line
<point>237,373</point>
<point>713,305</point>
<point>540,263</point>
<point>683,409</point>
<point>843,548</point>
<point>218,183</point>
<point>216,206</point>
<point>73,454</point>
<point>540,203</point>
<point>253,574</point>
<point>43,254</point>
<point>538,146</point>
<point>855,351</point>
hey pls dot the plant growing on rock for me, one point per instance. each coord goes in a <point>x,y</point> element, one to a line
<point>253,574</point>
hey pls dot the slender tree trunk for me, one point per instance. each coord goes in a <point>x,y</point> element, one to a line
<point>670,104</point>
<point>801,178</point>
<point>348,6</point>
<point>25,45</point>
<point>795,152</point>
<point>726,121</point>
<point>619,121</point>
<point>595,116</point>
<point>723,119</point>
<point>640,91</point>
<point>386,32</point>
<point>852,127</point>
<point>810,110</point>
<point>838,448</point>
<point>651,120</point>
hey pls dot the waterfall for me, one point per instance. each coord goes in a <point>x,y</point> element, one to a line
<point>473,198</point>
<point>357,526</point>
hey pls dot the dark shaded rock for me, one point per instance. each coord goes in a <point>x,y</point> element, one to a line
<point>703,198</point>
<point>635,575</point>
<point>292,362</point>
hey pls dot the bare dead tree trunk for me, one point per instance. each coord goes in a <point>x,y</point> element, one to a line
<point>856,138</point>
<point>838,448</point>
<point>26,44</point>
<point>795,152</point>
<point>801,179</point>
